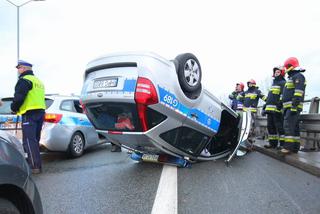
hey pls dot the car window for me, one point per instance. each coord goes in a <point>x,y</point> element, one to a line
<point>67,105</point>
<point>114,116</point>
<point>48,103</point>
<point>186,139</point>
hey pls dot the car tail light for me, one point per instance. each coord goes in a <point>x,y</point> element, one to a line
<point>52,118</point>
<point>145,95</point>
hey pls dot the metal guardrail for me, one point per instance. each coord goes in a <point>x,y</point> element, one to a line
<point>309,126</point>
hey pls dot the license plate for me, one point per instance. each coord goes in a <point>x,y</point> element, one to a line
<point>150,158</point>
<point>105,83</point>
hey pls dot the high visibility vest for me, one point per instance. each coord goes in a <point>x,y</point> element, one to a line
<point>35,98</point>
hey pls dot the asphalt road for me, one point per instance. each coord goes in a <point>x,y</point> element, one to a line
<point>105,182</point>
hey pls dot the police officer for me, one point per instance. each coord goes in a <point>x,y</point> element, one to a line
<point>273,109</point>
<point>29,102</point>
<point>293,96</point>
<point>235,103</point>
<point>250,97</point>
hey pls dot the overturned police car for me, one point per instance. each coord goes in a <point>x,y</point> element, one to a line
<point>154,106</point>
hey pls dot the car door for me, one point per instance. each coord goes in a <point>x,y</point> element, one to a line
<point>202,119</point>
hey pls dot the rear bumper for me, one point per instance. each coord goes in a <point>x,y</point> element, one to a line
<point>55,137</point>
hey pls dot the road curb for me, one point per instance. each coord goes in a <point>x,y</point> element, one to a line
<point>293,160</point>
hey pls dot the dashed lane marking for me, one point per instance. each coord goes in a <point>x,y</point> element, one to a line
<point>166,200</point>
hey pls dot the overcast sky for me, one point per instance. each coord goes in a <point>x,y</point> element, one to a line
<point>233,40</point>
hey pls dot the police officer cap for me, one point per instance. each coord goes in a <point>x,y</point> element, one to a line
<point>24,63</point>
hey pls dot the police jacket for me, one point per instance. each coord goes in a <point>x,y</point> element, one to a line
<point>250,98</point>
<point>293,92</point>
<point>235,103</point>
<point>22,88</point>
<point>275,95</point>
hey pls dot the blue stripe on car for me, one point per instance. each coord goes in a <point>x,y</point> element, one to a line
<point>13,119</point>
<point>170,100</point>
<point>75,121</point>
<point>129,85</point>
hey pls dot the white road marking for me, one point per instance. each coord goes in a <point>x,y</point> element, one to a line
<point>166,200</point>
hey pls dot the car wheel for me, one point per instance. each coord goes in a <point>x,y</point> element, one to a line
<point>76,146</point>
<point>189,72</point>
<point>7,207</point>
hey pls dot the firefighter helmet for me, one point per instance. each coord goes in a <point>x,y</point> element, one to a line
<point>252,81</point>
<point>280,68</point>
<point>241,85</point>
<point>291,62</point>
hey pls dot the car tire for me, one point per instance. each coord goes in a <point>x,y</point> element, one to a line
<point>189,72</point>
<point>7,207</point>
<point>76,145</point>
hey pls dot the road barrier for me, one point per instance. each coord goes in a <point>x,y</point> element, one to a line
<point>309,126</point>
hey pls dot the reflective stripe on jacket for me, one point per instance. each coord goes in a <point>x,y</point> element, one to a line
<point>293,92</point>
<point>275,95</point>
<point>250,99</point>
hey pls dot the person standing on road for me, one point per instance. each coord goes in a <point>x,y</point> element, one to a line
<point>250,99</point>
<point>293,96</point>
<point>273,109</point>
<point>29,102</point>
<point>235,103</point>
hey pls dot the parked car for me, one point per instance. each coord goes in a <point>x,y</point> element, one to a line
<point>66,128</point>
<point>152,105</point>
<point>18,192</point>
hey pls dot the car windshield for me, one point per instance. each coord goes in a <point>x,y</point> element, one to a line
<point>114,116</point>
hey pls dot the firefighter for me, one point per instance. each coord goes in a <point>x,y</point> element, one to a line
<point>29,101</point>
<point>273,109</point>
<point>292,98</point>
<point>235,103</point>
<point>250,97</point>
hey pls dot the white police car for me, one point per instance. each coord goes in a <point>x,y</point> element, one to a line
<point>66,128</point>
<point>151,105</point>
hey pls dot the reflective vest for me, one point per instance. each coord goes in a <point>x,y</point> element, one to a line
<point>35,98</point>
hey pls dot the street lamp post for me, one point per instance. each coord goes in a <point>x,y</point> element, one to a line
<point>18,23</point>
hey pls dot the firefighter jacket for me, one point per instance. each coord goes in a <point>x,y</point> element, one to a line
<point>250,99</point>
<point>235,103</point>
<point>293,92</point>
<point>274,100</point>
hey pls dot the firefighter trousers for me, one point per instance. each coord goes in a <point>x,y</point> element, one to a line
<point>291,130</point>
<point>275,129</point>
<point>31,131</point>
